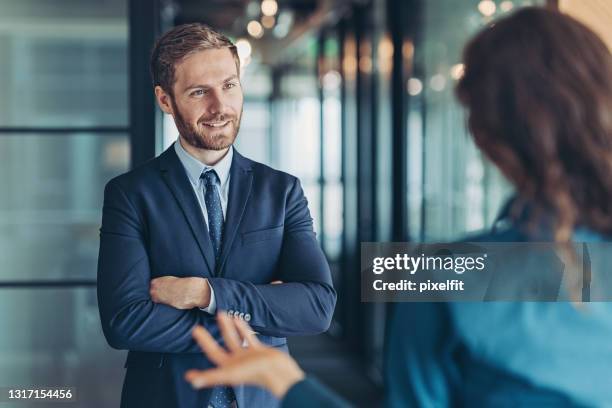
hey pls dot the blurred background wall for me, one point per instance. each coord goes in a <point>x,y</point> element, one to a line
<point>64,132</point>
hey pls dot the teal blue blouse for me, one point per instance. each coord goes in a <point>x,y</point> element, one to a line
<point>501,354</point>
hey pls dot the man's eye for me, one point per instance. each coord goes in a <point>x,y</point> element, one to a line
<point>198,92</point>
<point>230,85</point>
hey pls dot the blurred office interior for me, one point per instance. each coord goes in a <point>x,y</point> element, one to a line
<point>355,97</point>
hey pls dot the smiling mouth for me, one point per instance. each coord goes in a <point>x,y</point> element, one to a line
<point>215,124</point>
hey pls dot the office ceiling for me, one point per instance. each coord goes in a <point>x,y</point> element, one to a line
<point>232,16</point>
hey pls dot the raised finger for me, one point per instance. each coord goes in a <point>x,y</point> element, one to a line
<point>209,346</point>
<point>247,334</point>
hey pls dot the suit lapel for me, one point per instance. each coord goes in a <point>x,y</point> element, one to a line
<point>175,177</point>
<point>241,179</point>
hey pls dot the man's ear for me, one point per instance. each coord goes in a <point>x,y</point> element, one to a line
<point>163,100</point>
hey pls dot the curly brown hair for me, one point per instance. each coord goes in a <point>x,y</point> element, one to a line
<point>180,42</point>
<point>538,89</point>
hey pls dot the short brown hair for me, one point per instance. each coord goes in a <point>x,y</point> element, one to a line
<point>180,42</point>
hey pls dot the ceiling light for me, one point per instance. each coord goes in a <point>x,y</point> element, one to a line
<point>456,71</point>
<point>487,7</point>
<point>331,80</point>
<point>255,29</point>
<point>415,86</point>
<point>283,24</point>
<point>269,7</point>
<point>268,21</point>
<point>243,46</point>
<point>506,5</point>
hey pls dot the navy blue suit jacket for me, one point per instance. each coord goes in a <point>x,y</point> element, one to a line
<point>153,226</point>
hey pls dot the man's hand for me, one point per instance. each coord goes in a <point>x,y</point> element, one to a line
<point>180,293</point>
<point>255,364</point>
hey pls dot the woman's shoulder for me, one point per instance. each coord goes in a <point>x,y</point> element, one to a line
<point>512,233</point>
<point>506,234</point>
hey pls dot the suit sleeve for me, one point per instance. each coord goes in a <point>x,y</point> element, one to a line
<point>305,302</point>
<point>130,319</point>
<point>310,393</point>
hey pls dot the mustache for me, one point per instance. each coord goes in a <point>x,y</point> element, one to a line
<point>220,118</point>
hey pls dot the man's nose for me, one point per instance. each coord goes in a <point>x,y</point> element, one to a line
<point>216,103</point>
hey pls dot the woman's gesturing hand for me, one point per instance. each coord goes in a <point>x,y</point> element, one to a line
<point>245,361</point>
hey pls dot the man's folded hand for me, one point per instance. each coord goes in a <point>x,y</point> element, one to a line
<point>180,293</point>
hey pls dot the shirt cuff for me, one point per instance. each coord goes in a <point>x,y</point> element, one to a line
<point>212,305</point>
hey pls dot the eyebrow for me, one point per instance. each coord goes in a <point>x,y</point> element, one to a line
<point>226,80</point>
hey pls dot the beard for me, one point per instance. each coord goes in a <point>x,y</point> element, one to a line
<point>208,139</point>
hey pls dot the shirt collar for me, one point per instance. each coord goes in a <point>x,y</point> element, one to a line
<point>195,168</point>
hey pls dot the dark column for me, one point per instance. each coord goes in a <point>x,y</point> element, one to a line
<point>143,29</point>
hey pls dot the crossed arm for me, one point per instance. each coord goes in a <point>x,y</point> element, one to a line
<point>157,315</point>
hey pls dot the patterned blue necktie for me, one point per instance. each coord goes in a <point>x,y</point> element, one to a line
<point>214,210</point>
<point>221,397</point>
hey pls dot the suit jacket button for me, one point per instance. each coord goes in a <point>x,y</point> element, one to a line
<point>247,317</point>
<point>230,313</point>
<point>241,315</point>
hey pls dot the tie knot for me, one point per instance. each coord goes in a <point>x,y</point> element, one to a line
<point>210,177</point>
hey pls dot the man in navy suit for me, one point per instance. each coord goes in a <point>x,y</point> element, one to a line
<point>201,229</point>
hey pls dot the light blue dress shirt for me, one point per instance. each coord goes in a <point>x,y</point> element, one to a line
<point>194,169</point>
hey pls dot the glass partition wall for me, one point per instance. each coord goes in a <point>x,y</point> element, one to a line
<point>64,132</point>
<point>452,189</point>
